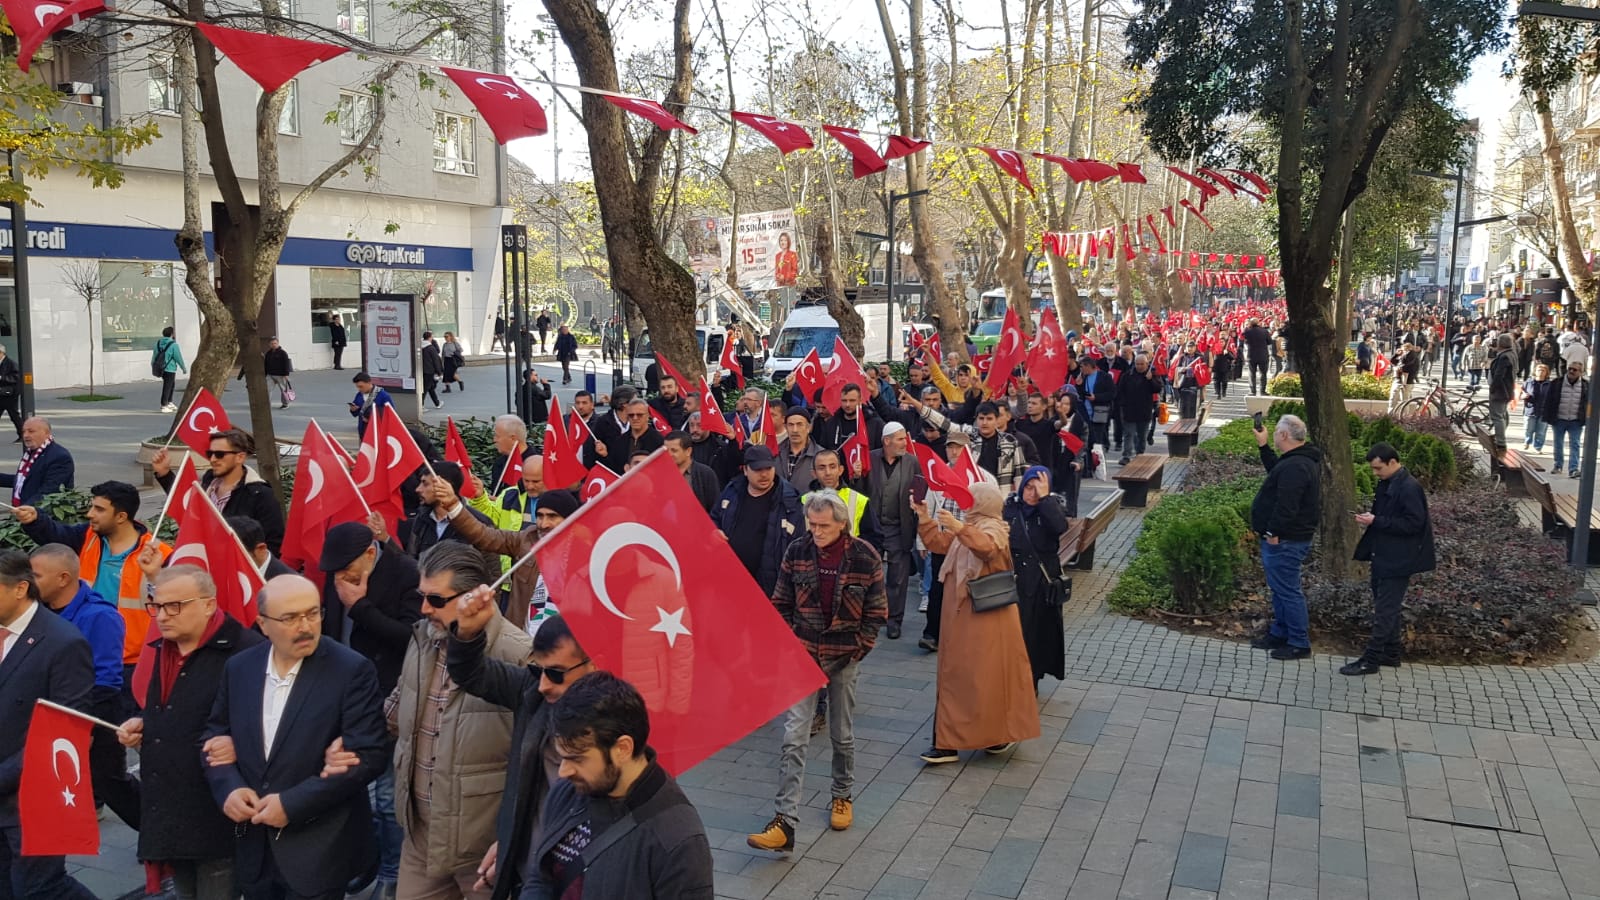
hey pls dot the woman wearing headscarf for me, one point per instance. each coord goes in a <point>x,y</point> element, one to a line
<point>1037,523</point>
<point>984,696</point>
<point>1068,474</point>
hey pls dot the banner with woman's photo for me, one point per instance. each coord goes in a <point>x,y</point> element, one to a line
<point>767,252</point>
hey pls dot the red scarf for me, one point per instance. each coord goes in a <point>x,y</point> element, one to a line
<point>22,471</point>
<point>171,659</point>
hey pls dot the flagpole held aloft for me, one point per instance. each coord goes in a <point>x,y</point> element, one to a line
<point>504,576</point>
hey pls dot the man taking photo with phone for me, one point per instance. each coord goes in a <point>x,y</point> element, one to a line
<point>1284,515</point>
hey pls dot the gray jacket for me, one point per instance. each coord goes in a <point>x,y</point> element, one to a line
<point>890,494</point>
<point>797,469</point>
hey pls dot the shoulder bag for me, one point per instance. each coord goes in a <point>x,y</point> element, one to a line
<point>993,591</point>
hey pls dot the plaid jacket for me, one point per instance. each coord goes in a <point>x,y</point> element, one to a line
<point>860,606</point>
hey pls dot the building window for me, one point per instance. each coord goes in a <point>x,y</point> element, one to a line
<point>354,17</point>
<point>135,304</point>
<point>335,292</point>
<point>163,87</point>
<point>453,144</point>
<point>355,115</point>
<point>450,48</point>
<point>289,118</point>
<point>436,291</point>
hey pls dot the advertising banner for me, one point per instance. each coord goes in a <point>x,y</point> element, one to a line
<point>767,254</point>
<point>389,345</point>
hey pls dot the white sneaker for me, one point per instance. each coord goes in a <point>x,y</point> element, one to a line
<point>923,606</point>
<point>170,408</point>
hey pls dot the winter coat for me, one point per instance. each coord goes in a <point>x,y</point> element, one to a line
<point>1289,503</point>
<point>178,817</point>
<point>1551,411</point>
<point>381,621</point>
<point>566,347</point>
<point>796,468</point>
<point>276,362</point>
<point>469,751</point>
<point>1399,542</point>
<point>1136,396</point>
<point>432,361</point>
<point>1503,376</point>
<point>253,497</point>
<point>786,523</point>
<point>170,355</point>
<point>860,605</point>
<point>1475,357</point>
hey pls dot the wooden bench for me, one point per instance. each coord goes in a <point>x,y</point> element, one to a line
<point>1077,545</point>
<point>1559,512</point>
<point>1508,466</point>
<point>1182,434</point>
<point>1137,476</point>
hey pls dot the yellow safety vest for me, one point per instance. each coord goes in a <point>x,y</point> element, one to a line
<point>853,501</point>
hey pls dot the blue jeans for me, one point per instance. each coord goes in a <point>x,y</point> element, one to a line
<point>1477,375</point>
<point>381,793</point>
<point>1571,431</point>
<point>1281,562</point>
<point>927,573</point>
<point>1535,432</point>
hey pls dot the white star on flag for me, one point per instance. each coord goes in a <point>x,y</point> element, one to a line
<point>67,795</point>
<point>671,625</point>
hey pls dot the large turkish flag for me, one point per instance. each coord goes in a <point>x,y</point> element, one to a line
<point>204,417</point>
<point>55,800</point>
<point>657,598</point>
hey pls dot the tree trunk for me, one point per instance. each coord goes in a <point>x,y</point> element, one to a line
<point>663,292</point>
<point>1318,356</point>
<point>1581,276</point>
<point>851,328</point>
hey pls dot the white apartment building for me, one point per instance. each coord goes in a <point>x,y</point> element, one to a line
<point>426,223</point>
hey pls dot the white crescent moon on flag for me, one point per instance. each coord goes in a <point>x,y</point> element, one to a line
<point>369,453</point>
<point>315,468</point>
<point>47,11</point>
<point>398,449</point>
<point>195,552</point>
<point>58,747</point>
<point>1007,156</point>
<point>246,589</point>
<point>1013,340</point>
<point>611,541</point>
<point>194,418</point>
<point>497,83</point>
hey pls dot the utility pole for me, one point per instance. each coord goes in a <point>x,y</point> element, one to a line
<point>19,265</point>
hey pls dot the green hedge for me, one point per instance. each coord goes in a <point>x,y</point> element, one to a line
<point>1148,579</point>
<point>1351,387</point>
<point>70,506</point>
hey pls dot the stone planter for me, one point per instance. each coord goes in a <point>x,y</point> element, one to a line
<point>1254,405</point>
<point>148,451</point>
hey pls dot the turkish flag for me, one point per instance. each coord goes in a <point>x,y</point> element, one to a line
<point>206,540</point>
<point>899,145</point>
<point>1095,170</point>
<point>1220,180</point>
<point>324,496</point>
<point>204,417</point>
<point>511,472</point>
<point>578,429</point>
<point>810,377</point>
<point>562,468</point>
<point>1203,220</point>
<point>1130,173</point>
<point>270,60</point>
<point>599,479</point>
<point>649,110</point>
<point>966,466</point>
<point>1074,170</point>
<point>769,427</point>
<point>864,159</point>
<point>1380,366</point>
<point>786,136</point>
<point>33,21</point>
<point>177,507</point>
<point>1201,373</point>
<point>388,457</point>
<point>509,111</point>
<point>659,421</point>
<point>938,351</point>
<point>711,417</point>
<point>1047,358</point>
<point>842,370</point>
<point>1072,442</point>
<point>1261,184</point>
<point>940,476</point>
<point>55,801</point>
<point>1009,352</point>
<point>1205,187</point>
<point>657,598</point>
<point>1010,162</point>
<point>856,451</point>
<point>455,450</point>
<point>668,369</point>
<point>730,360</point>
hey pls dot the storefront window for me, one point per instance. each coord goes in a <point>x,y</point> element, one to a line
<point>335,292</point>
<point>436,291</point>
<point>135,304</point>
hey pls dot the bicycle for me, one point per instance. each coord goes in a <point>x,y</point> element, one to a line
<point>1467,415</point>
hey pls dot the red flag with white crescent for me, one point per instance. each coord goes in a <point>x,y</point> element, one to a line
<point>271,60</point>
<point>205,416</point>
<point>864,159</point>
<point>1011,163</point>
<point>178,498</point>
<point>33,21</point>
<point>324,496</point>
<point>389,454</point>
<point>562,467</point>
<point>599,479</point>
<point>856,451</point>
<point>1009,352</point>
<point>55,799</point>
<point>810,377</point>
<point>1380,366</point>
<point>657,598</point>
<point>940,476</point>
<point>1047,358</point>
<point>711,417</point>
<point>649,110</point>
<point>508,109</point>
<point>966,466</point>
<point>786,136</point>
<point>455,450</point>
<point>730,360</point>
<point>842,370</point>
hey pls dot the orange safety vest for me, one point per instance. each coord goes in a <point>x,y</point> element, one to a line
<point>130,590</point>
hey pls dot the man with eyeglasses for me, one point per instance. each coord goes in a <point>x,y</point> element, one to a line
<point>296,833</point>
<point>55,570</point>
<point>529,692</point>
<point>370,603</point>
<point>640,436</point>
<point>232,486</point>
<point>450,760</point>
<point>182,826</point>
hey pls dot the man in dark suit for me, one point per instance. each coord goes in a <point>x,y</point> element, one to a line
<point>338,339</point>
<point>42,656</point>
<point>299,835</point>
<point>46,466</point>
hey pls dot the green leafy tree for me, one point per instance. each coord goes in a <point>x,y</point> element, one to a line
<point>1329,80</point>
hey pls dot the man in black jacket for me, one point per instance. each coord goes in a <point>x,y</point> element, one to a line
<point>629,825</point>
<point>369,603</point>
<point>1399,544</point>
<point>1284,515</point>
<point>1258,350</point>
<point>1502,385</point>
<point>181,824</point>
<point>338,339</point>
<point>231,484</point>
<point>1136,394</point>
<point>432,369</point>
<point>529,692</point>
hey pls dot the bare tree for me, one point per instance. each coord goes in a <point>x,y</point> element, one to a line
<point>82,277</point>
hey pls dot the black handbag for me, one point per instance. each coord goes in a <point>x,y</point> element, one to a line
<point>994,591</point>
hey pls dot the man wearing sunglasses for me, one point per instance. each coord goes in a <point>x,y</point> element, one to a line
<point>529,692</point>
<point>232,486</point>
<point>639,436</point>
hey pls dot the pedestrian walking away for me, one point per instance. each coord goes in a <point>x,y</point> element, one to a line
<point>1399,544</point>
<point>453,359</point>
<point>166,360</point>
<point>278,368</point>
<point>1284,514</point>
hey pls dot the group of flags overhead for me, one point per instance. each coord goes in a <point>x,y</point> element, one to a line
<point>511,112</point>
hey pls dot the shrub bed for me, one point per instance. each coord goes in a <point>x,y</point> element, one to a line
<point>1147,581</point>
<point>1352,387</point>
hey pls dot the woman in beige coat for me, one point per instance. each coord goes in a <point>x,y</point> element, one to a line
<point>985,688</point>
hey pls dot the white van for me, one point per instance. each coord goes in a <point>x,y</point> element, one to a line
<point>810,327</point>
<point>710,341</point>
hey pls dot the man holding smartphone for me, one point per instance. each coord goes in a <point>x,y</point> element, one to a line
<point>1399,544</point>
<point>1284,514</point>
